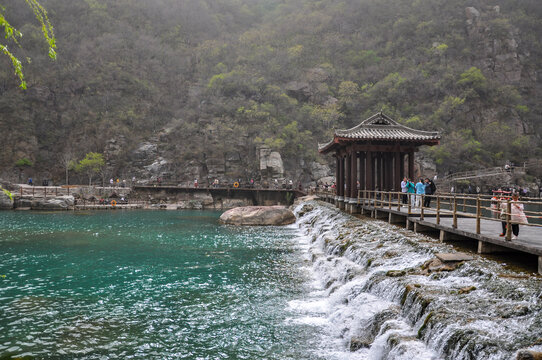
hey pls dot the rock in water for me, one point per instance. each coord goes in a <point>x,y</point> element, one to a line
<point>6,202</point>
<point>529,355</point>
<point>258,215</point>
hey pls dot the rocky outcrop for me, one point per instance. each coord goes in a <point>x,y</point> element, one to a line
<point>56,203</point>
<point>6,202</point>
<point>320,173</point>
<point>258,215</point>
<point>271,166</point>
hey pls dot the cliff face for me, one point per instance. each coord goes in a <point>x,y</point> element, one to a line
<point>246,89</point>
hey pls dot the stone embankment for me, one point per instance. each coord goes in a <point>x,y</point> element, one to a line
<point>64,202</point>
<point>258,215</point>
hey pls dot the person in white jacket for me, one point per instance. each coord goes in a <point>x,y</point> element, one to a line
<point>518,216</point>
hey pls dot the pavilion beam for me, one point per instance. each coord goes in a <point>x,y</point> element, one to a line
<point>384,147</point>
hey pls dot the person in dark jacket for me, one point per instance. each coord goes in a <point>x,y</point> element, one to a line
<point>430,189</point>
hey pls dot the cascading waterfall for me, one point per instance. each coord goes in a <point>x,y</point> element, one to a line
<point>374,297</point>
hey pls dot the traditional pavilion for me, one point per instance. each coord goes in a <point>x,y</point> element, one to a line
<point>373,154</point>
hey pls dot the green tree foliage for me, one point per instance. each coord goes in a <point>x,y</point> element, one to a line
<point>12,35</point>
<point>23,164</point>
<point>212,78</point>
<point>91,165</point>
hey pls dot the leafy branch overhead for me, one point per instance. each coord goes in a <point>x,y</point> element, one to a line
<point>12,35</point>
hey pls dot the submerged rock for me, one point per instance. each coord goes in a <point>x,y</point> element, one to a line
<point>529,355</point>
<point>258,215</point>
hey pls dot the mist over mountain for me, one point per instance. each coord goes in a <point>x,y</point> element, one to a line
<point>216,88</point>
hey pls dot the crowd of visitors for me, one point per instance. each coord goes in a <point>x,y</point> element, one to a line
<point>417,192</point>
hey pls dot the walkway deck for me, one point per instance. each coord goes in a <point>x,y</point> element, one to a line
<point>529,240</point>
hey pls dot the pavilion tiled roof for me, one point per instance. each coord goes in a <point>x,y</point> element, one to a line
<point>381,127</point>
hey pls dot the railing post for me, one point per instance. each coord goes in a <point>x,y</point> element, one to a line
<point>464,204</point>
<point>455,213</point>
<point>359,195</point>
<point>409,203</point>
<point>508,220</point>
<point>478,214</point>
<point>438,209</point>
<point>398,201</point>
<point>45,192</point>
<point>422,207</point>
<point>389,200</point>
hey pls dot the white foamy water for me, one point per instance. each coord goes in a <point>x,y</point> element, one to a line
<point>361,311</point>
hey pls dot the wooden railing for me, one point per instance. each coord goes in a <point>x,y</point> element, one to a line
<point>479,207</point>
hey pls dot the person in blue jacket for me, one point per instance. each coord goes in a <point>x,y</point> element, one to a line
<point>420,191</point>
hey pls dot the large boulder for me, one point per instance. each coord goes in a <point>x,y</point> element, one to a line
<point>6,202</point>
<point>56,203</point>
<point>258,215</point>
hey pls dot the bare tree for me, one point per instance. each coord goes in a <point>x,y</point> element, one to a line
<point>68,162</point>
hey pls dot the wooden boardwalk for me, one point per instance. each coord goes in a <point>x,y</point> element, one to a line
<point>488,240</point>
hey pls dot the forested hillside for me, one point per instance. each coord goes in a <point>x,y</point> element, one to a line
<point>193,89</point>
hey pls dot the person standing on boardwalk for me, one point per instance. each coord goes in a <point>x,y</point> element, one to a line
<point>518,215</point>
<point>404,189</point>
<point>428,192</point>
<point>411,192</point>
<point>420,191</point>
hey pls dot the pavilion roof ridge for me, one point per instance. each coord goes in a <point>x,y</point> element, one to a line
<point>381,121</point>
<point>380,127</point>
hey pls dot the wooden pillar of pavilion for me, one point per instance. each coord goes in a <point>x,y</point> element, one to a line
<point>397,171</point>
<point>391,181</point>
<point>381,171</point>
<point>411,164</point>
<point>369,171</point>
<point>362,170</point>
<point>337,176</point>
<point>348,175</point>
<point>340,182</point>
<point>388,171</point>
<point>354,176</point>
<point>384,162</point>
<point>402,166</point>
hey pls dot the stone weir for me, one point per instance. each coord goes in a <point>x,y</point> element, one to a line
<point>213,198</point>
<point>391,294</point>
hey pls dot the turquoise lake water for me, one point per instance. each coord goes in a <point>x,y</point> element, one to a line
<point>149,284</point>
